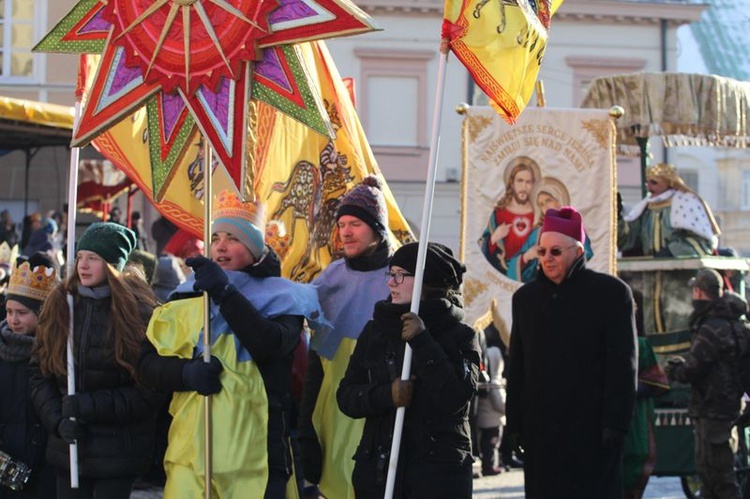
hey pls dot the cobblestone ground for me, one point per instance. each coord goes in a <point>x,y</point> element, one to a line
<point>510,486</point>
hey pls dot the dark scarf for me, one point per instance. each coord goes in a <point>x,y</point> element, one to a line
<point>376,260</point>
<point>577,266</point>
<point>97,293</point>
<point>14,347</point>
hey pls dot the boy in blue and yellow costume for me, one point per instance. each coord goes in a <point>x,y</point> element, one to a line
<point>256,320</point>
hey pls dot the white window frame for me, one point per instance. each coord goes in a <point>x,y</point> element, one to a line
<point>691,177</point>
<point>745,200</point>
<point>386,63</point>
<point>38,23</point>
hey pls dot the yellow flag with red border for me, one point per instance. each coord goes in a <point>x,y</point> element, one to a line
<point>501,43</point>
<point>298,174</point>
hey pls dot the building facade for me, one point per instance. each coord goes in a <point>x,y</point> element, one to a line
<point>395,72</point>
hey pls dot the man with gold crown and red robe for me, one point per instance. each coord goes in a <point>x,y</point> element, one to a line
<point>256,321</point>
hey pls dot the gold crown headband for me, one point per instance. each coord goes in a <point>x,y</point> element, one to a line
<point>35,284</point>
<point>230,206</point>
<point>664,170</point>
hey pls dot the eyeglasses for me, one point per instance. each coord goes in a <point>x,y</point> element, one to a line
<point>652,181</point>
<point>554,251</point>
<point>398,277</point>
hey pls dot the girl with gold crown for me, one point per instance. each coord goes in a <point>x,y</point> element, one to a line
<point>256,321</point>
<point>22,437</point>
<point>111,417</point>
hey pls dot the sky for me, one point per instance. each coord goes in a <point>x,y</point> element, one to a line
<point>718,43</point>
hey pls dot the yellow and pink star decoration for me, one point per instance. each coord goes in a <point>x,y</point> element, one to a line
<point>195,64</point>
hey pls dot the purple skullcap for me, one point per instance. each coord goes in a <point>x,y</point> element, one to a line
<point>566,221</point>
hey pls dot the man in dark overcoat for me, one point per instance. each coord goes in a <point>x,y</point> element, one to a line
<point>572,373</point>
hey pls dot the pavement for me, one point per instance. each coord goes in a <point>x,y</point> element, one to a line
<point>509,485</point>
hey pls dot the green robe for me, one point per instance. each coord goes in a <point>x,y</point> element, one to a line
<point>639,455</point>
<point>652,234</point>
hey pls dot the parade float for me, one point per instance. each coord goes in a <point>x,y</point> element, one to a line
<point>692,110</point>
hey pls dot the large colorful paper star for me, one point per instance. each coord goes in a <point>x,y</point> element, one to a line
<point>195,64</point>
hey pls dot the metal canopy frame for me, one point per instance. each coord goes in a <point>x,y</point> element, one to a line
<point>29,126</point>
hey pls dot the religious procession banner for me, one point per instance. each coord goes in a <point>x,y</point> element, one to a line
<point>511,175</point>
<point>298,174</point>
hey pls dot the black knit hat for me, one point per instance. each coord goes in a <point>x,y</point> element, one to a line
<point>367,202</point>
<point>113,242</point>
<point>441,269</point>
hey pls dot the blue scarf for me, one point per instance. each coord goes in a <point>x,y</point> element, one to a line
<point>271,296</point>
<point>348,298</point>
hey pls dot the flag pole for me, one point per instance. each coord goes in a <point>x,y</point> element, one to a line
<point>69,268</point>
<point>424,233</point>
<point>207,210</point>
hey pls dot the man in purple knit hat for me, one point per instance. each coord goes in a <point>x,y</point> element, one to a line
<point>572,369</point>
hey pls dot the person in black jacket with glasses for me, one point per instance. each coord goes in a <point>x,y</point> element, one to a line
<point>435,458</point>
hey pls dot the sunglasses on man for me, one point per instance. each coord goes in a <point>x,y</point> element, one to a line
<point>554,250</point>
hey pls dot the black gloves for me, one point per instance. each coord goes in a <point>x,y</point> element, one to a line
<point>70,406</point>
<point>211,278</point>
<point>71,430</point>
<point>412,326</point>
<point>311,455</point>
<point>311,492</point>
<point>202,377</point>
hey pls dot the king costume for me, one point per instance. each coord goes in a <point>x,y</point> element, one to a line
<point>256,318</point>
<point>676,222</point>
<point>348,290</point>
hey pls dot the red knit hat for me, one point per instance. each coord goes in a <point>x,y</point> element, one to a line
<point>183,244</point>
<point>566,221</point>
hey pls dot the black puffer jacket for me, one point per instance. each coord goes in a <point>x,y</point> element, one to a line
<point>445,364</point>
<point>21,433</point>
<point>119,415</point>
<point>711,367</point>
<point>270,342</point>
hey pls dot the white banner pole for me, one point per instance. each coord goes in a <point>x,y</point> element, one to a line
<point>421,254</point>
<point>69,268</point>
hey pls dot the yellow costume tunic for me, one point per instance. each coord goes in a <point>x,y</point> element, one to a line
<point>339,435</point>
<point>239,412</point>
<point>348,298</point>
<point>240,409</point>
